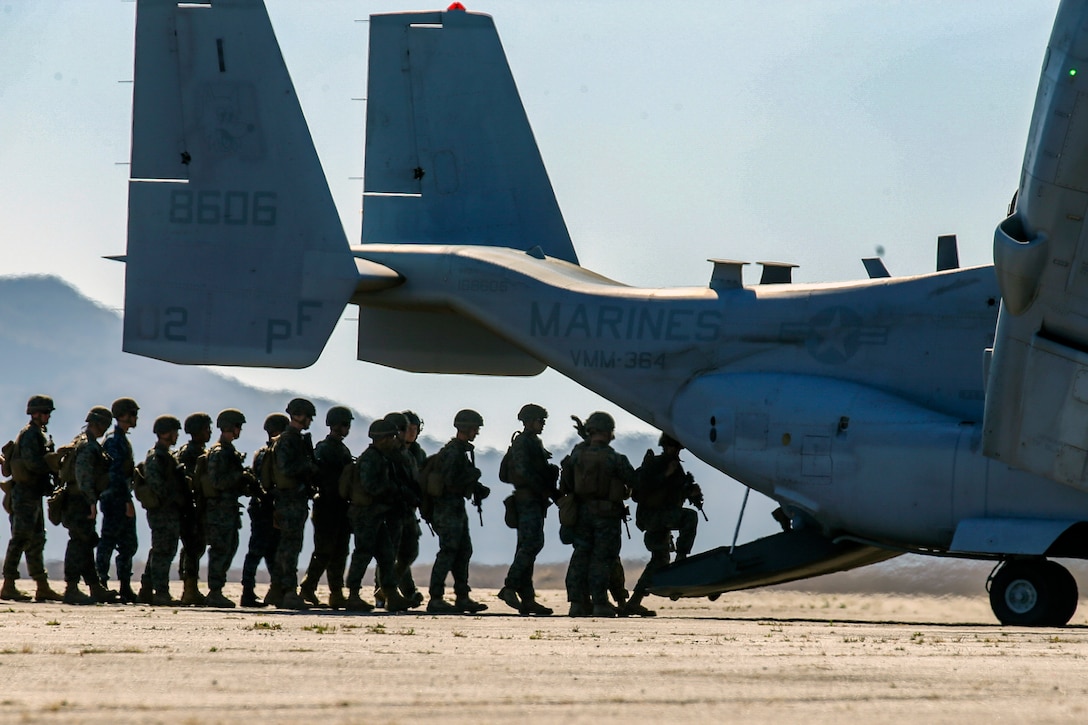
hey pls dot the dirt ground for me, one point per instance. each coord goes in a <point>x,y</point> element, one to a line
<point>764,656</point>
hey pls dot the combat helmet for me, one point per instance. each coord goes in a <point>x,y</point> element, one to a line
<point>381,428</point>
<point>276,423</point>
<point>39,404</point>
<point>468,418</point>
<point>230,418</point>
<point>301,406</point>
<point>600,422</point>
<point>667,440</point>
<point>338,415</point>
<point>532,411</point>
<point>165,424</point>
<point>101,415</point>
<point>124,406</point>
<point>399,421</point>
<point>197,422</point>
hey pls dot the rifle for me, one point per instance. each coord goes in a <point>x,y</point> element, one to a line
<point>626,516</point>
<point>478,503</point>
<point>696,501</point>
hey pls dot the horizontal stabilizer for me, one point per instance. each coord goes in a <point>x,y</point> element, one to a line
<point>782,557</point>
<point>450,155</point>
<point>438,341</point>
<point>235,251</point>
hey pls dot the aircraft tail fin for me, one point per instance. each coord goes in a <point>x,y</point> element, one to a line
<point>450,155</point>
<point>236,255</point>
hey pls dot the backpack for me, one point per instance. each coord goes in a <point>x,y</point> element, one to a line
<point>13,462</point>
<point>640,486</point>
<point>64,461</point>
<point>202,481</point>
<point>345,481</point>
<point>266,468</point>
<point>7,455</point>
<point>434,483</point>
<point>504,464</point>
<point>592,473</point>
<point>140,488</point>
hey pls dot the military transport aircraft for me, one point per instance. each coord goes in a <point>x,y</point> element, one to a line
<point>880,413</point>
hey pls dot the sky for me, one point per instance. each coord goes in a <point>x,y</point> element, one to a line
<point>805,131</point>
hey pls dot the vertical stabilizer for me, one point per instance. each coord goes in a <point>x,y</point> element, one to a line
<point>235,251</point>
<point>450,155</point>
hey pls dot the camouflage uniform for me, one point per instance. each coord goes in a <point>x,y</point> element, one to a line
<point>534,483</point>
<point>461,480</point>
<point>166,479</point>
<point>118,528</point>
<point>222,516</point>
<point>27,515</point>
<point>377,508</point>
<point>91,466</point>
<point>601,480</point>
<point>194,539</point>
<point>264,537</point>
<point>332,531</point>
<point>295,467</point>
<point>662,489</point>
<point>406,546</point>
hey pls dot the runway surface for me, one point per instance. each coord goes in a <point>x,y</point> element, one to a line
<point>764,656</point>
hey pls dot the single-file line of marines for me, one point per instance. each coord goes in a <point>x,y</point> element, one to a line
<point>190,495</point>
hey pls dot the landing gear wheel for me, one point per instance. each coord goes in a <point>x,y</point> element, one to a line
<point>1066,594</point>
<point>1033,593</point>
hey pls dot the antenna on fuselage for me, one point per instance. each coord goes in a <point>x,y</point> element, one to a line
<point>777,272</point>
<point>948,253</point>
<point>874,267</point>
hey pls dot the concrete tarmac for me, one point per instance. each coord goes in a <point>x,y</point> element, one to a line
<point>764,656</point>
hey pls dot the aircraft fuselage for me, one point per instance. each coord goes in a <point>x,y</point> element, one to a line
<point>858,404</point>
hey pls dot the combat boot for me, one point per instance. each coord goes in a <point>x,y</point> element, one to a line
<point>291,600</point>
<point>10,593</point>
<point>467,604</point>
<point>163,599</point>
<point>72,595</point>
<point>579,609</point>
<point>415,598</point>
<point>250,599</point>
<point>146,594</point>
<point>529,605</point>
<point>45,593</point>
<point>336,598</point>
<point>274,596</point>
<point>438,605</point>
<point>308,591</point>
<point>190,593</point>
<point>603,609</point>
<point>634,608</point>
<point>101,594</point>
<point>355,603</point>
<point>510,597</point>
<point>379,602</point>
<point>216,599</point>
<point>394,602</point>
<point>127,595</point>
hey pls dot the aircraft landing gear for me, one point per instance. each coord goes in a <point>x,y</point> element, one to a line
<point>1033,593</point>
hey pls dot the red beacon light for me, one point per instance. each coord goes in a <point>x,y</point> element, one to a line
<point>456,6</point>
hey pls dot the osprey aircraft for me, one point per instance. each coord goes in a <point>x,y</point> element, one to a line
<point>942,414</point>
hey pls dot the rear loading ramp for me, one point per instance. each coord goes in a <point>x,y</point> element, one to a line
<point>783,557</point>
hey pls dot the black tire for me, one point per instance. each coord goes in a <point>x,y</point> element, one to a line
<point>1066,594</point>
<point>1021,593</point>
